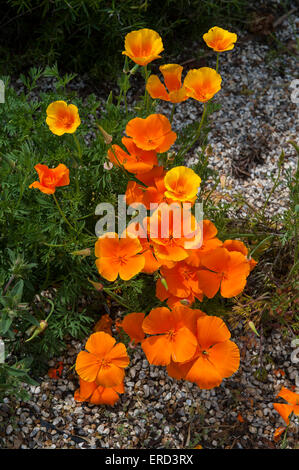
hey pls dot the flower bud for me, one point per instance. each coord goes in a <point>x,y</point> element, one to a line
<point>107,137</point>
<point>97,285</point>
<point>164,283</point>
<point>85,252</point>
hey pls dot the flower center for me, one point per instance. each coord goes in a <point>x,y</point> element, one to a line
<point>171,335</point>
<point>122,259</point>
<point>104,364</point>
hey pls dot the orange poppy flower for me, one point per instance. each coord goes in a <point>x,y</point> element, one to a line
<point>252,263</point>
<point>172,231</point>
<point>97,394</point>
<point>286,409</point>
<point>172,74</point>
<point>277,433</point>
<point>51,178</point>
<point>151,133</point>
<point>152,193</point>
<point>237,245</point>
<point>219,39</point>
<point>202,84</point>
<point>136,160</point>
<point>103,361</point>
<point>181,184</point>
<point>62,118</point>
<point>151,263</point>
<point>209,243</point>
<point>182,281</point>
<point>118,256</point>
<point>173,339</point>
<point>104,324</point>
<point>132,325</point>
<point>225,270</point>
<point>55,373</point>
<point>172,301</point>
<point>216,356</point>
<point>143,46</point>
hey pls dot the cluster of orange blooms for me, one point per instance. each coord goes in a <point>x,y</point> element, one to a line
<point>192,345</point>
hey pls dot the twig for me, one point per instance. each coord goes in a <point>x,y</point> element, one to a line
<point>283,17</point>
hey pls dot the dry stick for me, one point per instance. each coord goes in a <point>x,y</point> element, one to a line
<point>8,284</point>
<point>283,17</point>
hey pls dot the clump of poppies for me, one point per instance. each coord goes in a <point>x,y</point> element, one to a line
<point>188,265</point>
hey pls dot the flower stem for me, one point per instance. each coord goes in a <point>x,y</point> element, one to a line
<point>116,297</point>
<point>197,135</point>
<point>78,147</point>
<point>62,213</point>
<point>217,62</point>
<point>146,94</point>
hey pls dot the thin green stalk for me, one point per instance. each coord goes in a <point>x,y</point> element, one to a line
<point>197,135</point>
<point>62,213</point>
<point>217,62</point>
<point>126,104</point>
<point>116,297</point>
<point>80,158</point>
<point>78,147</point>
<point>260,244</point>
<point>130,176</point>
<point>172,112</point>
<point>53,246</point>
<point>274,185</point>
<point>146,94</point>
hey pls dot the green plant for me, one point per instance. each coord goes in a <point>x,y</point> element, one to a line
<point>75,33</point>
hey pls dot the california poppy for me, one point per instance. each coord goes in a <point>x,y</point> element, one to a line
<point>182,184</point>
<point>216,356</point>
<point>209,243</point>
<point>225,270</point>
<point>51,178</point>
<point>277,433</point>
<point>118,256</point>
<point>182,281</point>
<point>151,133</point>
<point>97,394</point>
<point>152,192</point>
<point>62,118</point>
<point>103,361</point>
<point>132,325</point>
<point>292,405</point>
<point>172,231</point>
<point>172,301</point>
<point>143,46</point>
<point>55,373</point>
<point>172,339</point>
<point>136,160</point>
<point>104,324</point>
<point>151,263</point>
<point>172,74</point>
<point>219,39</point>
<point>202,84</point>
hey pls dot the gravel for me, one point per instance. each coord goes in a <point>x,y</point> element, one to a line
<point>157,411</point>
<point>256,120</point>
